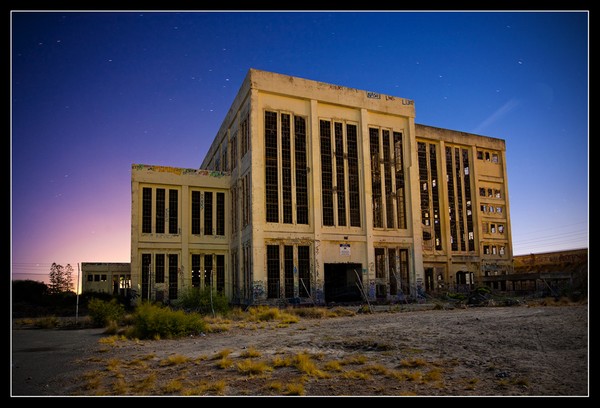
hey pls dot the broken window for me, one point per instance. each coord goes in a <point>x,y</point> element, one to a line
<point>482,191</point>
<point>387,169</point>
<point>286,168</point>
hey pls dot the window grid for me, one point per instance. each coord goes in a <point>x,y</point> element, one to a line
<point>353,177</point>
<point>304,270</point>
<point>387,169</point>
<point>301,170</point>
<point>326,173</point>
<point>286,168</point>
<point>196,270</point>
<point>208,213</point>
<point>273,271</point>
<point>467,176</point>
<point>173,267</point>
<point>288,270</point>
<point>160,211</point>
<point>220,273</point>
<point>196,212</point>
<point>146,210</point>
<point>271,168</point>
<point>159,268</point>
<point>400,189</point>
<point>435,197</point>
<point>208,268</point>
<point>173,216</point>
<point>220,213</point>
<point>376,178</point>
<point>340,187</point>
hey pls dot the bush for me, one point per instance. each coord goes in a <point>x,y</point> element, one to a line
<point>156,322</point>
<point>203,301</point>
<point>103,312</point>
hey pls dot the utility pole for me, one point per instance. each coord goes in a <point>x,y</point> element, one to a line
<point>77,292</point>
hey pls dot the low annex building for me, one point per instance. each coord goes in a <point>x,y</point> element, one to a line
<point>106,277</point>
<point>318,193</point>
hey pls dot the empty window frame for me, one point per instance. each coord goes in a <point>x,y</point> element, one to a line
<point>353,175</point>
<point>146,265</point>
<point>234,209</point>
<point>301,170</point>
<point>173,213</point>
<point>271,168</point>
<point>339,174</point>
<point>196,207</point>
<point>286,168</point>
<point>326,173</point>
<point>233,150</point>
<point>146,210</point>
<point>288,270</point>
<point>376,192</point>
<point>340,182</point>
<point>452,206</point>
<point>387,172</point>
<point>159,268</point>
<point>399,181</point>
<point>304,270</point>
<point>208,269</point>
<point>468,198</point>
<point>220,273</point>
<point>435,197</point>
<point>173,269</point>
<point>208,213</point>
<point>160,211</point>
<point>196,272</point>
<point>245,133</point>
<point>220,213</point>
<point>273,271</point>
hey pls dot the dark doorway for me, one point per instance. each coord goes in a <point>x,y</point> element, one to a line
<point>341,282</point>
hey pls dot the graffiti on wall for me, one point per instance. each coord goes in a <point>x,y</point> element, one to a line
<point>179,171</point>
<point>258,290</point>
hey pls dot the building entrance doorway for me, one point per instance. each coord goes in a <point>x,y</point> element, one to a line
<point>341,282</point>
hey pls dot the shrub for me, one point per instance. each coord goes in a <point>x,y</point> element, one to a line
<point>153,321</point>
<point>103,312</point>
<point>203,301</point>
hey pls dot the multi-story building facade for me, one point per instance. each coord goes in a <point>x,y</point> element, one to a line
<point>313,192</point>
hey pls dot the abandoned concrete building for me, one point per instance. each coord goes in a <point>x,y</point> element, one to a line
<point>106,277</point>
<point>319,193</point>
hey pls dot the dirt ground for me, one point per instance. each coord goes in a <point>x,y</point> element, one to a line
<point>476,351</point>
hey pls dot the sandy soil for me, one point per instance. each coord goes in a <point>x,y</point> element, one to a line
<point>477,351</point>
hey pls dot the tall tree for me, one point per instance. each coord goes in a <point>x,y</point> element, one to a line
<point>61,278</point>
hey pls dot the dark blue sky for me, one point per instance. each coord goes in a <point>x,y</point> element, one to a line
<point>94,92</point>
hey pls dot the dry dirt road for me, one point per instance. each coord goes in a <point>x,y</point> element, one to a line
<point>513,351</point>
